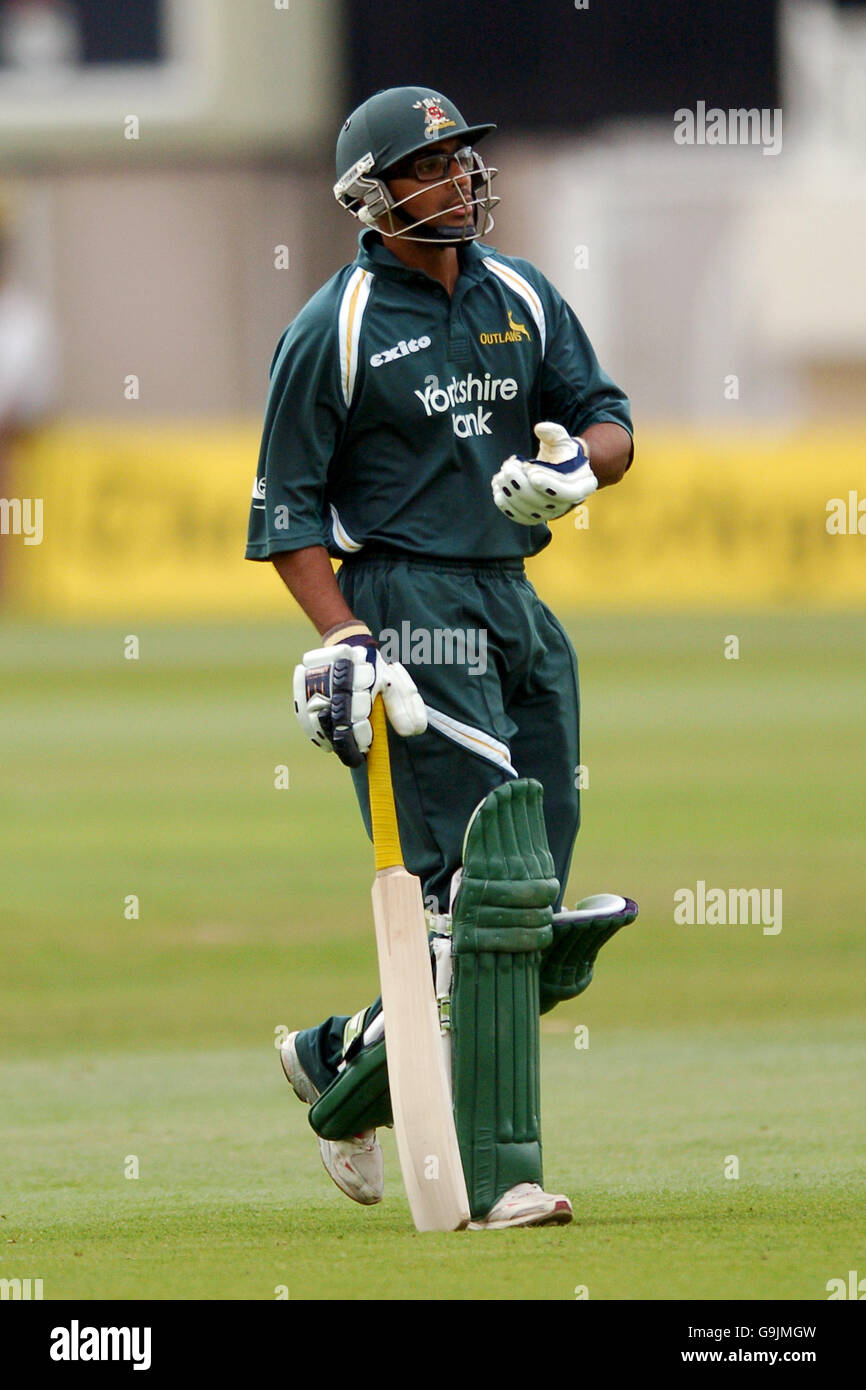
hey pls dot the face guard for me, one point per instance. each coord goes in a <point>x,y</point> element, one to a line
<point>393,128</point>
<point>367,196</point>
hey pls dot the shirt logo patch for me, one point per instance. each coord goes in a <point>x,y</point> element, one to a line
<point>402,349</point>
<point>435,117</point>
<point>513,334</point>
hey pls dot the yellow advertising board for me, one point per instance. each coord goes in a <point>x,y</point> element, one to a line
<point>716,519</point>
<point>151,521</point>
<point>148,521</point>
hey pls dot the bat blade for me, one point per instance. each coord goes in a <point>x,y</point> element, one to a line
<point>420,1090</point>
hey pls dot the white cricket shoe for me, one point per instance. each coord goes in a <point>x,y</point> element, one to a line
<point>527,1204</point>
<point>356,1164</point>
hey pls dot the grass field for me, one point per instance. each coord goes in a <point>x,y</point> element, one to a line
<point>148,1042</point>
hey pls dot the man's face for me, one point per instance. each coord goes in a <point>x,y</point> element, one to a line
<point>438,201</point>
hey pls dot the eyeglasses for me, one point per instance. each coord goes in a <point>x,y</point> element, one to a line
<point>429,168</point>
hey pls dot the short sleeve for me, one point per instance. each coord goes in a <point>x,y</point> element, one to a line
<point>304,419</point>
<point>575,391</point>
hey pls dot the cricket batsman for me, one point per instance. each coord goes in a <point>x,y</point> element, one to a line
<point>431,408</point>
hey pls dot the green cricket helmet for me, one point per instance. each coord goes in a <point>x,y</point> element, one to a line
<point>383,132</point>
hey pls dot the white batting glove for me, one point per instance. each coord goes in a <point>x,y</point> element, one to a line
<point>334,689</point>
<point>533,490</point>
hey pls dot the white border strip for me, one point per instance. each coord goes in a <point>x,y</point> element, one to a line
<point>522,287</point>
<point>475,740</point>
<point>352,306</point>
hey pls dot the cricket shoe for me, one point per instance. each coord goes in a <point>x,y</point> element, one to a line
<point>527,1204</point>
<point>356,1164</point>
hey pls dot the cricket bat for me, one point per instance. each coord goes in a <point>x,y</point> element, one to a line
<point>420,1088</point>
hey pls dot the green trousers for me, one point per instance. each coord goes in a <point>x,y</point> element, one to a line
<point>499,678</point>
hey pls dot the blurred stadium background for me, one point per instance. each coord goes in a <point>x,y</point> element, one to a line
<point>165,184</point>
<point>166,192</point>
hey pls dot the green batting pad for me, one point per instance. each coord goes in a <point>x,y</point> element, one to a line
<point>357,1099</point>
<point>567,966</point>
<point>502,922</point>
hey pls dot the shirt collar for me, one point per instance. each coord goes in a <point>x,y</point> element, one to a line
<point>374,254</point>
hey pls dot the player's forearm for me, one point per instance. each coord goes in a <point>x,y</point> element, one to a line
<point>610,450</point>
<point>309,578</point>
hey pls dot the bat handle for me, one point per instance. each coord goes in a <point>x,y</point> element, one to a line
<point>383,813</point>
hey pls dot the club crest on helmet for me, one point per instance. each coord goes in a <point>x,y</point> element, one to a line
<point>435,117</point>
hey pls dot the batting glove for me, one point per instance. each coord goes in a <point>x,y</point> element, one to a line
<point>334,690</point>
<point>532,490</point>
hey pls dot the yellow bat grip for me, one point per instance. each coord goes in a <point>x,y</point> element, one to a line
<point>386,836</point>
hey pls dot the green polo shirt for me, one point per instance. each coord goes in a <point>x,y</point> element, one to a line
<point>392,404</point>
